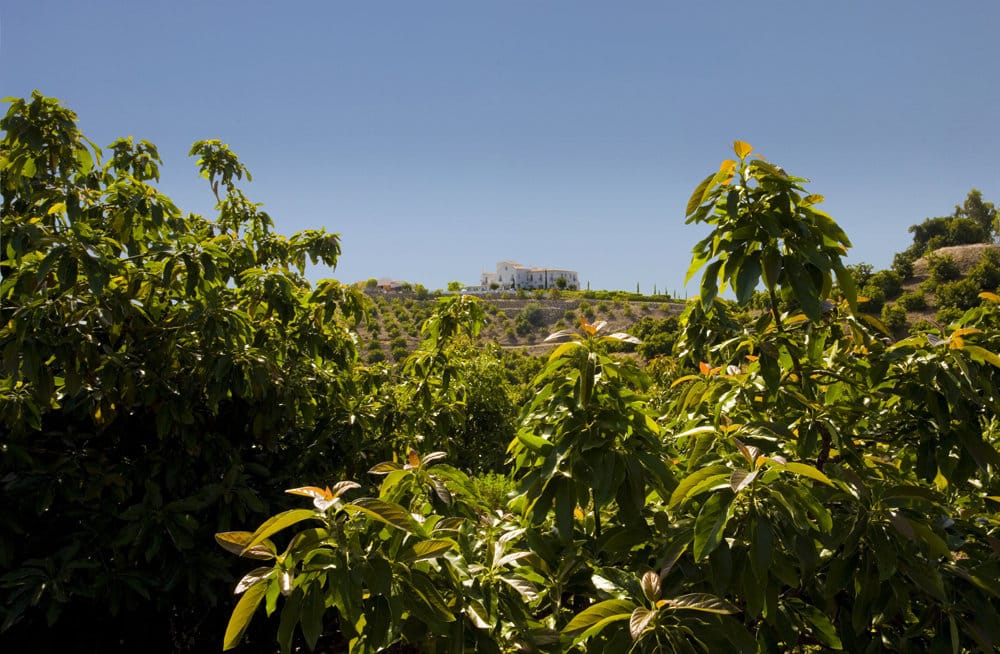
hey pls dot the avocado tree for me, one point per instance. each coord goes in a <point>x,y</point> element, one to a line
<point>164,374</point>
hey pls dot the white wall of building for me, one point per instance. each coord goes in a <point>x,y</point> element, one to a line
<point>514,275</point>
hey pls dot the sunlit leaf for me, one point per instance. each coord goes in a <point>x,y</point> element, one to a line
<point>236,542</point>
<point>391,514</point>
<point>427,549</point>
<point>276,523</point>
<point>702,602</point>
<point>600,614</point>
<point>639,620</point>
<point>650,584</point>
<point>240,619</point>
<point>710,524</point>
<point>742,149</point>
<point>700,192</point>
<point>686,484</point>
<point>982,354</point>
<point>254,576</point>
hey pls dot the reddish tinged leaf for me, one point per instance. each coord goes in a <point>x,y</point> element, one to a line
<point>639,620</point>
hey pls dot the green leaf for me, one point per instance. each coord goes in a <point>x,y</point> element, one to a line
<point>807,470</point>
<point>761,546</point>
<point>823,629</point>
<point>771,267</point>
<point>845,280</point>
<point>684,487</point>
<point>429,601</point>
<point>700,192</point>
<point>427,549</point>
<point>697,261</point>
<point>391,514</point>
<point>747,278</point>
<point>276,523</point>
<point>237,541</point>
<point>524,588</point>
<point>802,284</point>
<point>982,355</point>
<point>710,524</point>
<point>599,615</point>
<point>83,158</point>
<point>710,285</point>
<point>533,442</point>
<point>702,602</point>
<point>311,615</point>
<point>242,614</point>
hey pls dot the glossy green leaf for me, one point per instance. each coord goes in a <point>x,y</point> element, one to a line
<point>599,615</point>
<point>710,286</point>
<point>427,549</point>
<point>982,354</point>
<point>241,616</point>
<point>699,195</point>
<point>807,470</point>
<point>747,279</point>
<point>702,602</point>
<point>710,524</point>
<point>386,512</point>
<point>680,494</point>
<point>276,523</point>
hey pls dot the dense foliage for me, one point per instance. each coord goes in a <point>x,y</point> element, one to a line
<point>789,479</point>
<point>812,486</point>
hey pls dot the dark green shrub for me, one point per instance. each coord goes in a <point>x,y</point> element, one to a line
<point>948,315</point>
<point>912,301</point>
<point>962,294</point>
<point>889,281</point>
<point>986,273</point>
<point>942,268</point>
<point>894,318</point>
<point>902,262</point>
<point>529,318</point>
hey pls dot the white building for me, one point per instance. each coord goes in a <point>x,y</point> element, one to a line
<point>515,276</point>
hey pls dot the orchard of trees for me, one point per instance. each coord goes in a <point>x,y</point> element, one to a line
<point>195,456</point>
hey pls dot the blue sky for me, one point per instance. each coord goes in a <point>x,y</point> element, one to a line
<point>440,137</point>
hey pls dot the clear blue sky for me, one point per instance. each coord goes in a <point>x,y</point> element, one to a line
<point>440,137</point>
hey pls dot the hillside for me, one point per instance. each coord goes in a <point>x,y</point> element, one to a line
<point>512,322</point>
<point>947,281</point>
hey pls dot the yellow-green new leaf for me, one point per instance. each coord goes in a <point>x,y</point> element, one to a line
<point>982,354</point>
<point>276,523</point>
<point>742,149</point>
<point>807,470</point>
<point>242,614</point>
<point>699,195</point>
